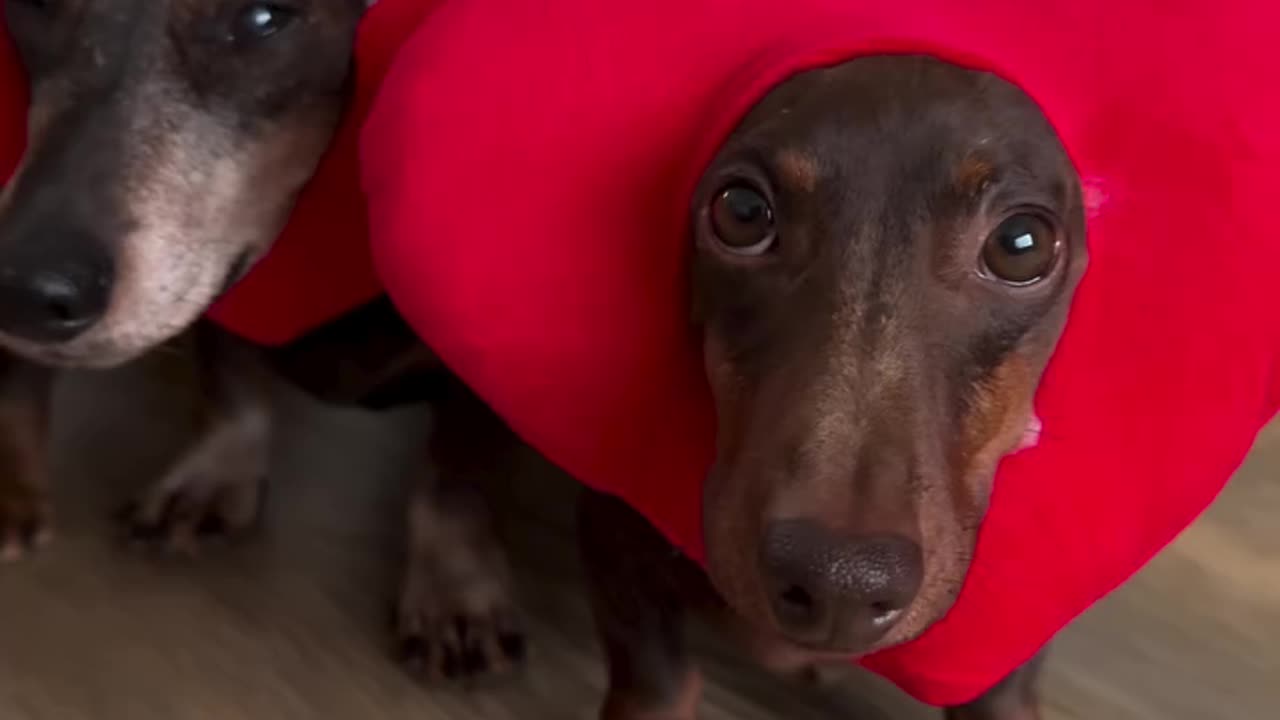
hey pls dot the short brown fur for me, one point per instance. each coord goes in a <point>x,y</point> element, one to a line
<point>870,367</point>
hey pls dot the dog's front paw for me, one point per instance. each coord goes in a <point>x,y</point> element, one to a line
<point>180,518</point>
<point>25,520</point>
<point>456,621</point>
<point>212,493</point>
<point>446,636</point>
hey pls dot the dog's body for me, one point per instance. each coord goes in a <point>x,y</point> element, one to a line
<point>167,141</point>
<point>455,620</point>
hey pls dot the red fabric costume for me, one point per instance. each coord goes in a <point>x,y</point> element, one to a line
<point>529,166</point>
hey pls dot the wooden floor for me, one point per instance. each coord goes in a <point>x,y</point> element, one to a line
<point>292,625</point>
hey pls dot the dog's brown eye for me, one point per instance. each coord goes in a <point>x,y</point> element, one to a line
<point>743,221</point>
<point>1022,250</point>
<point>261,20</point>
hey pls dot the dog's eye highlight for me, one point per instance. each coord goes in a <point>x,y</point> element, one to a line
<point>1022,250</point>
<point>743,221</point>
<point>261,20</point>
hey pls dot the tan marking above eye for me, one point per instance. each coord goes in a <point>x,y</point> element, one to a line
<point>973,176</point>
<point>797,169</point>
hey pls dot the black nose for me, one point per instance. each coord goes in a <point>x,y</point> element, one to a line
<point>45,299</point>
<point>838,592</point>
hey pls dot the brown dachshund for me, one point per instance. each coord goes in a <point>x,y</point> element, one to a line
<point>884,255</point>
<point>167,141</point>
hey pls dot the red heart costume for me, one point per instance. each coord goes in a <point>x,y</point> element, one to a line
<point>529,165</point>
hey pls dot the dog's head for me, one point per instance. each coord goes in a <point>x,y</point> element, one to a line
<point>167,142</point>
<point>885,255</point>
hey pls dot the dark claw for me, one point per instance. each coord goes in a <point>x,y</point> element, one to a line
<point>474,661</point>
<point>461,652</point>
<point>413,653</point>
<point>124,514</point>
<point>453,666</point>
<point>212,525</point>
<point>134,530</point>
<point>28,532</point>
<point>176,515</point>
<point>513,646</point>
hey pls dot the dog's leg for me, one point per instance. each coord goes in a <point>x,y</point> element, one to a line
<point>639,589</point>
<point>215,488</point>
<point>456,617</point>
<point>24,426</point>
<point>1015,698</point>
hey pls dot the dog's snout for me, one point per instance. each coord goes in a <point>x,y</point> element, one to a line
<point>50,297</point>
<point>836,591</point>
